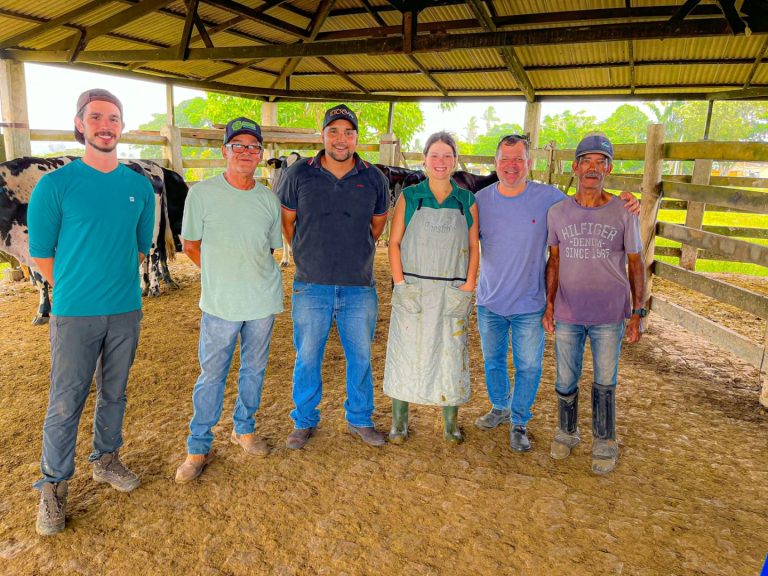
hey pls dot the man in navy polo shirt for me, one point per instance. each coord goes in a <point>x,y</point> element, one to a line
<point>334,207</point>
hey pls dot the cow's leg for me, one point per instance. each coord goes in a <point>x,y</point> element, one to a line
<point>44,302</point>
<point>165,274</point>
<point>144,276</point>
<point>154,273</point>
<point>286,260</point>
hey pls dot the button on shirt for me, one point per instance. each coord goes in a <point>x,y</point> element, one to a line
<point>332,242</point>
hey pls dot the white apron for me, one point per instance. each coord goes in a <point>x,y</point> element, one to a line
<point>427,356</point>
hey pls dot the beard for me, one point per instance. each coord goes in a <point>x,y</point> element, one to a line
<point>339,155</point>
<point>100,147</point>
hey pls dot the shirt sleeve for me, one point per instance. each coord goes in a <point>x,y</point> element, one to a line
<point>44,219</point>
<point>632,243</point>
<point>552,239</point>
<point>382,195</point>
<point>287,189</point>
<point>146,226</point>
<point>192,221</point>
<point>276,232</point>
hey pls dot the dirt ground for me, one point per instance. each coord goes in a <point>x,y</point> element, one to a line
<point>688,496</point>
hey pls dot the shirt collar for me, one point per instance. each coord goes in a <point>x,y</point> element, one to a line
<point>360,164</point>
<point>423,191</point>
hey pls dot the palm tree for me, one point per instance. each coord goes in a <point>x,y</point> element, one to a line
<point>490,118</point>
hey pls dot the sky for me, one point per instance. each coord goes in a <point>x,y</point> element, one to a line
<point>52,92</point>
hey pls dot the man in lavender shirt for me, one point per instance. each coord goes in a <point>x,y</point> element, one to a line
<point>511,291</point>
<point>592,241</point>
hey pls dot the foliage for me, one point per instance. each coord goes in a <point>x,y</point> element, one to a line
<point>490,118</point>
<point>566,129</point>
<point>472,129</point>
<point>485,144</point>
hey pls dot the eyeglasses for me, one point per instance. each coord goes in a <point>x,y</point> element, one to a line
<point>238,148</point>
<point>515,138</point>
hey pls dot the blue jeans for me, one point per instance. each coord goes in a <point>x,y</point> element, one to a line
<point>527,352</point>
<point>218,338</point>
<point>83,347</point>
<point>605,341</point>
<point>315,306</point>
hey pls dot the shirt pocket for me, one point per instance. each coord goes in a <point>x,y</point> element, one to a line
<point>407,298</point>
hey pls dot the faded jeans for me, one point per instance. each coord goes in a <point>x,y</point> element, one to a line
<point>218,338</point>
<point>315,307</point>
<point>605,341</point>
<point>527,335</point>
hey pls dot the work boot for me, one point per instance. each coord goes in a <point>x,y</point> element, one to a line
<point>299,437</point>
<point>192,467</point>
<point>493,418</point>
<point>251,443</point>
<point>567,434</point>
<point>398,434</point>
<point>605,449</point>
<point>518,438</point>
<point>108,468</point>
<point>451,431</point>
<point>52,510</point>
<point>367,434</point>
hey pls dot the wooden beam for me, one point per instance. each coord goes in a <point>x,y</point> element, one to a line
<point>674,22</point>
<point>750,200</point>
<point>237,68</point>
<point>409,31</point>
<point>756,64</point>
<point>343,74</point>
<point>747,300</point>
<point>735,23</point>
<point>258,16</point>
<point>109,24</point>
<point>427,74</point>
<point>651,200</point>
<point>51,24</point>
<point>741,94</point>
<point>13,104</point>
<point>741,249</point>
<point>740,151</point>
<point>186,33</point>
<point>423,44</point>
<point>203,33</point>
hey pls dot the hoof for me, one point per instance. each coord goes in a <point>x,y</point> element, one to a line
<point>40,320</point>
<point>283,264</point>
<point>173,285</point>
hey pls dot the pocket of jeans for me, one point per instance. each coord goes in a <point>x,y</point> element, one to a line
<point>457,302</point>
<point>299,287</point>
<point>407,297</point>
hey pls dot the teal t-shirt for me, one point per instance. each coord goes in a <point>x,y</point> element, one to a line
<point>240,278</point>
<point>421,191</point>
<point>94,225</point>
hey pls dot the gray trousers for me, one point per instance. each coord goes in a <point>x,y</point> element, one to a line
<point>81,347</point>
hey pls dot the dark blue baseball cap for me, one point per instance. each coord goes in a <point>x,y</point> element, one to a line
<point>242,125</point>
<point>340,112</point>
<point>595,144</point>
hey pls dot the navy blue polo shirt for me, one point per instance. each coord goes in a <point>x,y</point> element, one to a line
<point>332,243</point>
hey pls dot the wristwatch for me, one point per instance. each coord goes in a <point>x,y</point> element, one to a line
<point>642,312</point>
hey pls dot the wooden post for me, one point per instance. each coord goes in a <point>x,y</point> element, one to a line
<point>532,122</point>
<point>764,372</point>
<point>389,150</point>
<point>172,134</point>
<point>13,101</point>
<point>268,118</point>
<point>551,162</point>
<point>651,199</point>
<point>694,216</point>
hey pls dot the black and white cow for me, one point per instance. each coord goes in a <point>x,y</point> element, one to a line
<point>17,180</point>
<point>280,165</point>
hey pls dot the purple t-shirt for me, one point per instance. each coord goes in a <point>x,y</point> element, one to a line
<point>593,285</point>
<point>513,240</point>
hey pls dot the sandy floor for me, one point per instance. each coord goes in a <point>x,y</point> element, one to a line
<point>688,496</point>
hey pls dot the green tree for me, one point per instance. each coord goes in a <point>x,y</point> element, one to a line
<point>490,118</point>
<point>566,129</point>
<point>485,144</point>
<point>472,129</point>
<point>627,125</point>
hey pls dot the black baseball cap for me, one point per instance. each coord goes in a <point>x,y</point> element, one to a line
<point>340,112</point>
<point>91,96</point>
<point>242,125</point>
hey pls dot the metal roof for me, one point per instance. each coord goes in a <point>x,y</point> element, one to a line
<point>407,49</point>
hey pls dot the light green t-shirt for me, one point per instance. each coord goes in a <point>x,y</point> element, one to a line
<point>240,279</point>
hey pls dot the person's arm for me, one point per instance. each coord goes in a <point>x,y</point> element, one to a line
<point>45,266</point>
<point>396,231</point>
<point>636,270</point>
<point>377,225</point>
<point>474,252</point>
<point>552,277</point>
<point>288,219</point>
<point>631,204</point>
<point>192,250</point>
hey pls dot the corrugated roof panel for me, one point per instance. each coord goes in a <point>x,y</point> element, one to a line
<point>197,69</point>
<point>106,43</point>
<point>290,17</point>
<point>155,27</point>
<point>250,78</point>
<point>321,83</point>
<point>360,22</point>
<point>514,7</point>
<point>312,65</point>
<point>267,33</point>
<point>692,75</point>
<point>384,82</point>
<point>479,81</point>
<point>761,75</point>
<point>589,78</point>
<point>602,52</point>
<point>446,13</point>
<point>699,48</point>
<point>373,63</point>
<point>461,59</point>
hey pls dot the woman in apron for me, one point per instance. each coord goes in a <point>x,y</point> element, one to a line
<point>434,255</point>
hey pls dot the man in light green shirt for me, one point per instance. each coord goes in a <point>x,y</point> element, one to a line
<point>231,226</point>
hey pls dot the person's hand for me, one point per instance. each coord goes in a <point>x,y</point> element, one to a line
<point>634,329</point>
<point>548,320</point>
<point>467,287</point>
<point>631,203</point>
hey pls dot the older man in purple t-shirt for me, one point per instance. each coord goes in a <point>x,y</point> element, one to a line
<point>592,241</point>
<point>511,291</point>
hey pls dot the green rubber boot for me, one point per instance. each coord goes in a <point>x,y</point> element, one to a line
<point>398,434</point>
<point>451,430</point>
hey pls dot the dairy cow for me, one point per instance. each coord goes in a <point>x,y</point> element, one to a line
<point>17,180</point>
<point>280,165</point>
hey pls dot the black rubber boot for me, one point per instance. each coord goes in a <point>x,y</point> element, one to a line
<point>605,450</point>
<point>451,431</point>
<point>567,435</point>
<point>398,434</point>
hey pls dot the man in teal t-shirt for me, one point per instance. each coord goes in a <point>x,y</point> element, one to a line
<point>90,226</point>
<point>231,226</point>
